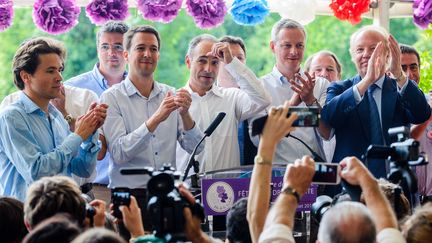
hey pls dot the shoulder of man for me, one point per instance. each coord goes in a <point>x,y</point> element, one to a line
<point>79,79</point>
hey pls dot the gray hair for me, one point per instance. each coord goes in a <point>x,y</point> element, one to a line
<point>198,39</point>
<point>368,28</point>
<point>337,224</point>
<point>286,24</point>
<point>111,27</point>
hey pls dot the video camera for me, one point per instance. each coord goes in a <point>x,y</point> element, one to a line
<point>166,205</point>
<point>402,154</point>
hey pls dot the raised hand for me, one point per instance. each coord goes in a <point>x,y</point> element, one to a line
<point>377,63</point>
<point>222,51</point>
<point>299,175</point>
<point>183,101</point>
<point>167,106</point>
<point>60,101</point>
<point>305,88</point>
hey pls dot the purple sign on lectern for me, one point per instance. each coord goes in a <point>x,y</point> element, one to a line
<point>218,195</point>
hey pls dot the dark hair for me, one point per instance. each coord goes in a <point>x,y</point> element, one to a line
<point>99,235</point>
<point>406,49</point>
<point>237,224</point>
<point>51,195</point>
<point>111,27</point>
<point>127,38</point>
<point>58,228</point>
<point>12,227</point>
<point>26,58</point>
<point>234,40</point>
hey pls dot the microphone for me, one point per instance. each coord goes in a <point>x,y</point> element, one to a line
<point>214,124</point>
<point>192,162</point>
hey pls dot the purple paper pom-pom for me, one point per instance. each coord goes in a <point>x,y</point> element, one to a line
<point>101,11</point>
<point>55,16</point>
<point>159,10</point>
<point>422,13</point>
<point>207,13</point>
<point>6,14</point>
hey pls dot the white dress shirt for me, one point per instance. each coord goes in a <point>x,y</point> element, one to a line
<point>221,148</point>
<point>289,149</point>
<point>78,101</point>
<point>130,143</point>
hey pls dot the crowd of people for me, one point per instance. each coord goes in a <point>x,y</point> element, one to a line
<point>62,145</point>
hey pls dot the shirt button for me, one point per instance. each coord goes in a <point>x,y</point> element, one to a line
<point>156,153</point>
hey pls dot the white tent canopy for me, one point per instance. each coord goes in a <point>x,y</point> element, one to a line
<point>385,9</point>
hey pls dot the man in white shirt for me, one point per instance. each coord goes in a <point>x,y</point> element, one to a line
<point>287,81</point>
<point>203,59</point>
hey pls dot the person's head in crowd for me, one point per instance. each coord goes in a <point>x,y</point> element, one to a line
<point>410,61</point>
<point>324,64</point>
<point>12,227</point>
<point>203,68</point>
<point>142,45</point>
<point>339,221</point>
<point>51,195</point>
<point>363,43</point>
<point>109,43</point>
<point>99,235</point>
<point>237,224</point>
<point>288,43</point>
<point>396,197</point>
<point>238,50</point>
<point>418,227</point>
<point>58,228</point>
<point>38,62</point>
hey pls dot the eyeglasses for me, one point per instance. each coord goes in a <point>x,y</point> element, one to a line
<point>115,47</point>
<point>412,67</point>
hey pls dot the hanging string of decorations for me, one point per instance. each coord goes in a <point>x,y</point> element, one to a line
<point>59,16</point>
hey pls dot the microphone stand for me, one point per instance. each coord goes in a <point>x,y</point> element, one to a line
<point>192,162</point>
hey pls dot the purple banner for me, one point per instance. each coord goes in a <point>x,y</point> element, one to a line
<point>218,195</point>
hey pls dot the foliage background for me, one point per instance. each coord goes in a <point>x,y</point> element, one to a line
<point>326,32</point>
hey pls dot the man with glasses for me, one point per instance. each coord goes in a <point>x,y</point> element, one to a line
<point>109,70</point>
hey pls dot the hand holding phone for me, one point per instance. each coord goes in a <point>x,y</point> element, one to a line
<point>326,173</point>
<point>307,117</point>
<point>120,196</point>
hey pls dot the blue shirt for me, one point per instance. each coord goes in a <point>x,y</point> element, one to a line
<point>94,81</point>
<point>130,143</point>
<point>34,145</point>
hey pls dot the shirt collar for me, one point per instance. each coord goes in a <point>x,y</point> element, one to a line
<point>216,90</point>
<point>101,79</point>
<point>30,106</point>
<point>380,82</point>
<point>282,79</point>
<point>131,89</point>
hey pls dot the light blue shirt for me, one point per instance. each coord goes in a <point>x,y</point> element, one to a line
<point>34,145</point>
<point>130,143</point>
<point>94,81</point>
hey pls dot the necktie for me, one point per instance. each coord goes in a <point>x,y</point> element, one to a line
<point>376,166</point>
<point>375,122</point>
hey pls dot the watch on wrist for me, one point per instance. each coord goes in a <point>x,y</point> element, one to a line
<point>291,191</point>
<point>68,118</point>
<point>259,160</point>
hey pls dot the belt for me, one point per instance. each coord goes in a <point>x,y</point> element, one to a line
<point>85,188</point>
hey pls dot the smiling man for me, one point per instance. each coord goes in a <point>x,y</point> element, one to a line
<point>287,81</point>
<point>35,140</point>
<point>361,109</point>
<point>146,118</point>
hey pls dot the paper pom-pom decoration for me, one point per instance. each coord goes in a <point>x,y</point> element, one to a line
<point>6,14</point>
<point>302,11</point>
<point>101,11</point>
<point>55,16</point>
<point>249,12</point>
<point>422,13</point>
<point>349,10</point>
<point>163,11</point>
<point>206,13</point>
